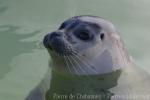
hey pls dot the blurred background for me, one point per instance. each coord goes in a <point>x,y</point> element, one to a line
<point>23,23</point>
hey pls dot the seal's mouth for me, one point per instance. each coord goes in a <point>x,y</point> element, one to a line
<point>55,42</point>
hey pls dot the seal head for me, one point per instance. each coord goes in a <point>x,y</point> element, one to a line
<point>89,42</point>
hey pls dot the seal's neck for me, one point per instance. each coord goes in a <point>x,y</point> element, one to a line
<point>69,84</point>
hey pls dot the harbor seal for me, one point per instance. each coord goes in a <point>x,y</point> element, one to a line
<point>89,62</point>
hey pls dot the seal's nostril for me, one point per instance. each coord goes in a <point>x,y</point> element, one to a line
<point>50,38</point>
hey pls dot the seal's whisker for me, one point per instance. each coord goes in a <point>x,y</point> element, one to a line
<point>80,63</point>
<point>68,67</point>
<point>75,59</point>
<point>80,67</point>
<point>74,68</point>
<point>77,67</point>
<point>85,63</point>
<point>91,80</point>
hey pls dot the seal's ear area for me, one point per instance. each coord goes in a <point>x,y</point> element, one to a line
<point>102,36</point>
<point>115,35</point>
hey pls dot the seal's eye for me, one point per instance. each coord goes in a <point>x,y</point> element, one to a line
<point>83,35</point>
<point>102,36</point>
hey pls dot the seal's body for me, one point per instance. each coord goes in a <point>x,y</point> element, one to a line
<point>89,62</point>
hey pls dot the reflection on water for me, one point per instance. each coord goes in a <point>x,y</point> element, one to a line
<point>11,46</point>
<point>17,56</point>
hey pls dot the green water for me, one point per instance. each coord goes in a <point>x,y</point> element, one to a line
<point>23,23</point>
